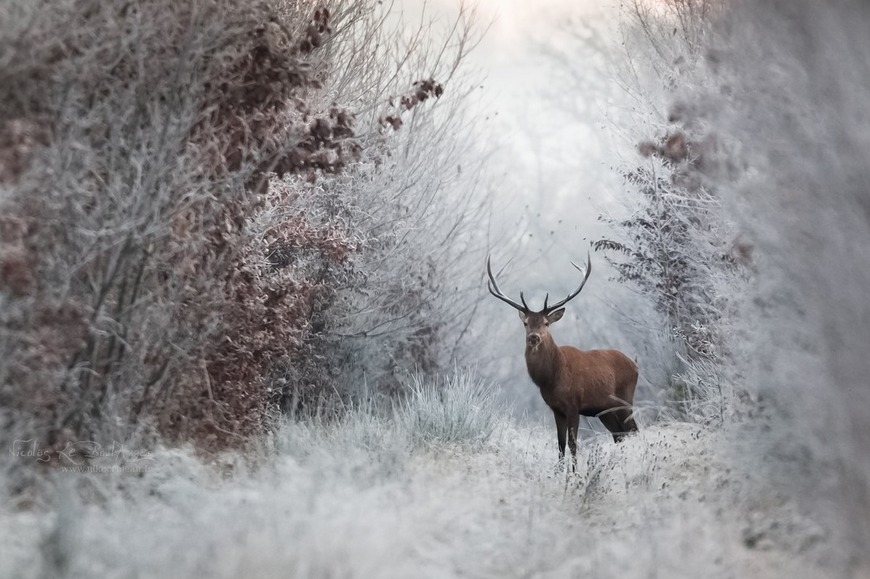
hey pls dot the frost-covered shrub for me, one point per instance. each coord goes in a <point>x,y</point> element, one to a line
<point>408,284</point>
<point>415,197</point>
<point>788,82</point>
<point>177,217</point>
<point>140,294</point>
<point>677,244</point>
<point>782,86</point>
<point>458,409</point>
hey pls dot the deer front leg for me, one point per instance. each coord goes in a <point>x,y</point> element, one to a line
<point>561,432</point>
<point>573,424</point>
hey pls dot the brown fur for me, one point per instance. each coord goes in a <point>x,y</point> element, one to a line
<point>577,382</point>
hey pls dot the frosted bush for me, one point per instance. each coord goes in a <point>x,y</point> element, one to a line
<point>457,409</point>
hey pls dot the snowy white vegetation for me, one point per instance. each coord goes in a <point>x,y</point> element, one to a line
<point>388,496</point>
<point>240,264</point>
<point>205,208</point>
<point>751,237</point>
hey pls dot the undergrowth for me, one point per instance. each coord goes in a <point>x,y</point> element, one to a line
<point>460,408</point>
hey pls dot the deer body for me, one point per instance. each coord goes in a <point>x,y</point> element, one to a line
<point>573,382</point>
<point>584,382</point>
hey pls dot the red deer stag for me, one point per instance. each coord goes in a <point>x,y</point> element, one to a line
<point>574,382</point>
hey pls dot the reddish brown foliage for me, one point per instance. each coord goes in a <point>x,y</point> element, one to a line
<point>176,314</point>
<point>19,139</point>
<point>16,276</point>
<point>421,91</point>
<point>157,273</point>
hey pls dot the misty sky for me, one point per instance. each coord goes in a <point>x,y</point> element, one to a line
<point>554,163</point>
<point>556,130</point>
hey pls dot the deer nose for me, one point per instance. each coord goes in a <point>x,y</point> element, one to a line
<point>534,340</point>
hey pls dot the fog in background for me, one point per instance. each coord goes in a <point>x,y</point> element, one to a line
<point>552,98</point>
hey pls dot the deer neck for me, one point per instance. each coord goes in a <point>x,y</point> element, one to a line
<point>543,363</point>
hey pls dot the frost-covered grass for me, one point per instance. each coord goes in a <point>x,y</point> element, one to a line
<point>363,498</point>
<point>461,409</point>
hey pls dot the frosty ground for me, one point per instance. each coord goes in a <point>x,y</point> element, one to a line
<point>478,494</point>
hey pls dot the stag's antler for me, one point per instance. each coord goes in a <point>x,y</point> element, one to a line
<point>496,291</point>
<point>573,294</point>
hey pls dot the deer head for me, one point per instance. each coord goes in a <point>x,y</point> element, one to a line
<point>537,323</point>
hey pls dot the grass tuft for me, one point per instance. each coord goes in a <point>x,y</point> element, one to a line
<point>460,409</point>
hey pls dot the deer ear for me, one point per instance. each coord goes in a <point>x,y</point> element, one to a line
<point>555,316</point>
<point>523,315</point>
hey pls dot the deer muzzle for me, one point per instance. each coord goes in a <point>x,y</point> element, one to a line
<point>534,340</point>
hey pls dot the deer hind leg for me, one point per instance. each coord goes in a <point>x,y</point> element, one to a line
<point>619,422</point>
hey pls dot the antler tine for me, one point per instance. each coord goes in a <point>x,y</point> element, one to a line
<point>573,294</point>
<point>523,299</point>
<point>492,285</point>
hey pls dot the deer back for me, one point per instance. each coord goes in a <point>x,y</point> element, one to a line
<point>591,381</point>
